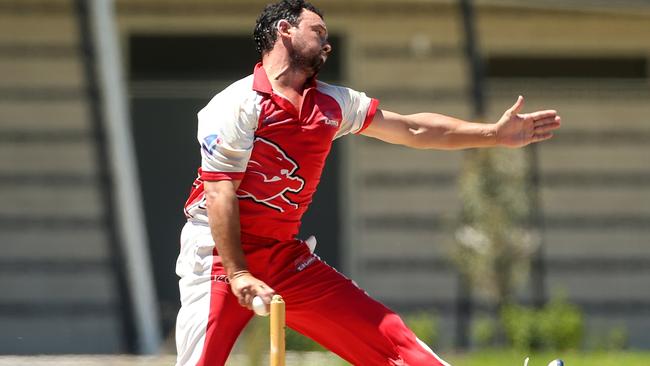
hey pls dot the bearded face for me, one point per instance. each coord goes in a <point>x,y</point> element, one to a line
<point>309,47</point>
<point>307,57</point>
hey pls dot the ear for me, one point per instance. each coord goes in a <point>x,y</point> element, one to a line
<point>283,27</point>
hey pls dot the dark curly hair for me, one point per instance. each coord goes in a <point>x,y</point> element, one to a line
<point>265,33</point>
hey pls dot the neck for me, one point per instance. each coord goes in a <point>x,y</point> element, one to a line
<point>282,75</point>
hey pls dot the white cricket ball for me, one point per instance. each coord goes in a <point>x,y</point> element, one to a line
<point>259,306</point>
<point>556,363</point>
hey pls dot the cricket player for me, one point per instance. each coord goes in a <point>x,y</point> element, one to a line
<point>264,141</point>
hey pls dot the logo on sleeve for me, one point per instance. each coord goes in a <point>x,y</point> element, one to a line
<point>210,143</point>
<point>331,122</point>
<point>270,176</point>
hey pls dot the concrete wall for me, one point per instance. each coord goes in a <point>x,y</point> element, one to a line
<point>60,291</point>
<point>401,204</point>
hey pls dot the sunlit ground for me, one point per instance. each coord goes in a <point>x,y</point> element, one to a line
<point>483,358</point>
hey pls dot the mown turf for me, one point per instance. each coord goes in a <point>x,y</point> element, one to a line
<point>514,358</point>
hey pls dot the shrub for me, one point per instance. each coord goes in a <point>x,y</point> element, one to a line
<point>519,324</point>
<point>558,326</point>
<point>610,339</point>
<point>617,339</point>
<point>484,331</point>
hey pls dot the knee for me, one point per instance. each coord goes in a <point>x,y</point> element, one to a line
<point>393,328</point>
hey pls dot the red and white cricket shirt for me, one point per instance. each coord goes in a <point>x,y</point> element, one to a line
<point>252,133</point>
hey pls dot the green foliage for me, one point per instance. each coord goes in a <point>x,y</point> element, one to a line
<point>519,323</point>
<point>484,331</point>
<point>561,325</point>
<point>614,339</point>
<point>558,326</point>
<point>494,242</point>
<point>424,324</point>
<point>617,339</point>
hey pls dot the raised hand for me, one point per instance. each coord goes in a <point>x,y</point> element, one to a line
<point>516,129</point>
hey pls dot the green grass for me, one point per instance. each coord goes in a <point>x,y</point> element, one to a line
<point>514,358</point>
<point>493,358</point>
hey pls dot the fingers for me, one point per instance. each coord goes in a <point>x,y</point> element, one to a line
<point>539,115</point>
<point>547,124</point>
<point>538,137</point>
<point>245,288</point>
<point>517,107</point>
<point>265,292</point>
<point>245,298</point>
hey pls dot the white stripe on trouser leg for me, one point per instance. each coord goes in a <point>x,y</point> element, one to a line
<point>311,243</point>
<point>424,345</point>
<point>194,267</point>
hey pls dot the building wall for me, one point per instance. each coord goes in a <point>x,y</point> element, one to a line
<point>401,204</point>
<point>60,288</point>
<point>595,197</point>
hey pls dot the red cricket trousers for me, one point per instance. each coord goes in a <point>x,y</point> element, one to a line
<point>321,303</point>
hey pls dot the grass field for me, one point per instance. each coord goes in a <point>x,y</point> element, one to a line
<point>512,358</point>
<point>483,358</point>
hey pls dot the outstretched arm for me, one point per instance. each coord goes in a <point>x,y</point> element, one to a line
<point>436,131</point>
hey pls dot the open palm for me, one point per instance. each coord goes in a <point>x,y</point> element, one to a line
<point>516,129</point>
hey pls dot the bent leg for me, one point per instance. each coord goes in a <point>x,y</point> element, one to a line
<point>329,308</point>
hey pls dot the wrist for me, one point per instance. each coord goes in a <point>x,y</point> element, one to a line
<point>239,273</point>
<point>492,134</point>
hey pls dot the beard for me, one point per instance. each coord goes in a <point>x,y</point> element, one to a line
<point>309,62</point>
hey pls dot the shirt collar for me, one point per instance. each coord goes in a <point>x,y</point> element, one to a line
<point>262,84</point>
<point>261,81</point>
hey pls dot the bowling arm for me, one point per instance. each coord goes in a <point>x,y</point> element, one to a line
<point>223,216</point>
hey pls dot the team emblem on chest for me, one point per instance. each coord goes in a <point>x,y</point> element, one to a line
<point>269,176</point>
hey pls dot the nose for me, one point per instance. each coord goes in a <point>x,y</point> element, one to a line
<point>327,48</point>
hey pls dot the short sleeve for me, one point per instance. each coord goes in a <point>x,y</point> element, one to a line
<point>226,134</point>
<point>357,109</point>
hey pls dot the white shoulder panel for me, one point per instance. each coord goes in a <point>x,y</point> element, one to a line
<point>227,126</point>
<point>354,106</point>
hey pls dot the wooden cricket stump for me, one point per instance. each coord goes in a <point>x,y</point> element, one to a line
<point>277,331</point>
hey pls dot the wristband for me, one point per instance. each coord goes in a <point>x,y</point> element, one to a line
<point>237,274</point>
